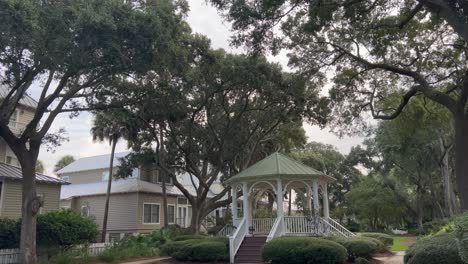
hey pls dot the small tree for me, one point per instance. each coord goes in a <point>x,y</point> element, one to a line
<point>63,162</point>
<point>39,166</point>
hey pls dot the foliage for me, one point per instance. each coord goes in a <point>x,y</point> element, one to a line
<point>70,257</point>
<point>65,228</point>
<point>187,237</point>
<point>9,233</point>
<point>359,246</point>
<point>374,203</point>
<point>298,250</point>
<point>203,250</point>
<point>387,240</point>
<point>361,261</point>
<point>172,231</point>
<point>438,249</point>
<point>460,232</point>
<point>63,161</point>
<point>39,166</point>
<point>400,243</point>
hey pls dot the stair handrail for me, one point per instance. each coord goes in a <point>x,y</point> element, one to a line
<point>226,230</point>
<point>338,227</point>
<point>236,239</point>
<point>276,230</point>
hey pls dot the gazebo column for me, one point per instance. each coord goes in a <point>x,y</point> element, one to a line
<point>326,209</point>
<point>246,204</point>
<point>309,200</point>
<point>279,198</point>
<point>234,205</point>
<point>316,197</point>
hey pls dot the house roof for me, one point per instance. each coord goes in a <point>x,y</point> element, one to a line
<point>27,100</point>
<point>92,163</point>
<point>8,171</point>
<point>118,186</point>
<point>276,165</point>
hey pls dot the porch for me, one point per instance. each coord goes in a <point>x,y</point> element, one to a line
<point>278,177</point>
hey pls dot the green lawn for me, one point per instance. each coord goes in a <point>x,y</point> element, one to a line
<point>401,243</point>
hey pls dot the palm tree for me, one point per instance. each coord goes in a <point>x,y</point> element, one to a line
<point>107,127</point>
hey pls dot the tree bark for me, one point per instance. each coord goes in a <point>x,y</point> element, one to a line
<point>197,217</point>
<point>461,159</point>
<point>419,207</point>
<point>109,185</point>
<point>162,160</point>
<point>30,208</point>
<point>446,179</point>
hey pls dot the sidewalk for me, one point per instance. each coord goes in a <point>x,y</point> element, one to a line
<point>396,258</point>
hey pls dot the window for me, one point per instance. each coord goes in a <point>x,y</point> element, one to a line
<point>66,178</point>
<point>85,211</point>
<point>150,213</point>
<point>105,176</point>
<point>13,119</point>
<point>171,214</point>
<point>182,200</point>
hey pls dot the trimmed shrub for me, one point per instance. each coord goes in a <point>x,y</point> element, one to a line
<point>438,249</point>
<point>9,233</point>
<point>196,250</point>
<point>359,246</point>
<point>187,237</point>
<point>298,250</point>
<point>387,240</point>
<point>361,261</point>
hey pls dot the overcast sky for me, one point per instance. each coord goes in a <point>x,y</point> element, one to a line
<point>203,19</point>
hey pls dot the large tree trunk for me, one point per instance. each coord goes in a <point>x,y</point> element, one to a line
<point>196,220</point>
<point>30,208</point>
<point>449,195</point>
<point>461,159</point>
<point>109,185</point>
<point>162,160</point>
<point>419,207</point>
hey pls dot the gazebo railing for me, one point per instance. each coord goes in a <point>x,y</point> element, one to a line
<point>276,230</point>
<point>336,228</point>
<point>262,225</point>
<point>236,239</point>
<point>304,225</point>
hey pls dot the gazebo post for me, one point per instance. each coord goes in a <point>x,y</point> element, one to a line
<point>234,205</point>
<point>246,204</point>
<point>309,200</point>
<point>326,210</point>
<point>279,198</point>
<point>316,197</point>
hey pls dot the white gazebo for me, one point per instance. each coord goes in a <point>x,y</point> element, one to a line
<point>277,174</point>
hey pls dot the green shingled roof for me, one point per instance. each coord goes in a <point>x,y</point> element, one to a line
<point>278,165</point>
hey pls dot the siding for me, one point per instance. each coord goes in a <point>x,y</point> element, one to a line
<point>3,147</point>
<point>122,210</point>
<point>25,115</point>
<point>86,176</point>
<point>11,206</point>
<point>152,198</point>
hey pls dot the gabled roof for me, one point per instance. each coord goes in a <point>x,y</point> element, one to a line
<point>11,172</point>
<point>127,185</point>
<point>277,165</point>
<point>27,100</point>
<point>92,163</point>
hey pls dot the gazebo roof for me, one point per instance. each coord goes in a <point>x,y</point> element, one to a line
<point>280,165</point>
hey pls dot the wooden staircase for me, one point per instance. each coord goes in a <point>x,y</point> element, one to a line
<point>250,250</point>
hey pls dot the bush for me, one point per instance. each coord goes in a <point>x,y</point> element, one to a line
<point>134,247</point>
<point>65,228</point>
<point>9,233</point>
<point>361,261</point>
<point>197,250</point>
<point>187,237</point>
<point>438,249</point>
<point>387,240</point>
<point>175,230</point>
<point>298,250</point>
<point>359,247</point>
<point>70,257</point>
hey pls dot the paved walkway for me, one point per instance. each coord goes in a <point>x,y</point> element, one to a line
<point>147,261</point>
<point>396,258</point>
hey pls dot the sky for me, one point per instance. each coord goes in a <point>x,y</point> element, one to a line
<point>205,20</point>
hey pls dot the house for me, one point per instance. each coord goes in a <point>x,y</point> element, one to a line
<point>135,203</point>
<point>48,188</point>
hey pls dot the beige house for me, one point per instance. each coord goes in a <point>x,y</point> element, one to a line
<point>10,172</point>
<point>136,202</point>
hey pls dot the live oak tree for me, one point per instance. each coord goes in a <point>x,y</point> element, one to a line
<point>66,52</point>
<point>220,115</point>
<point>371,49</point>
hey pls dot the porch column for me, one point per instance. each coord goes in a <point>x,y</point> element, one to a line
<point>326,210</point>
<point>279,198</point>
<point>316,197</point>
<point>246,204</point>
<point>309,200</point>
<point>234,203</point>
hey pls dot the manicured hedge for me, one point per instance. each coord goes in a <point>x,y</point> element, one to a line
<point>299,250</point>
<point>438,249</point>
<point>359,247</point>
<point>387,240</point>
<point>187,237</point>
<point>9,233</point>
<point>203,250</point>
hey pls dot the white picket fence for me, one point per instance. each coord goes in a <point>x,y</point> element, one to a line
<point>11,255</point>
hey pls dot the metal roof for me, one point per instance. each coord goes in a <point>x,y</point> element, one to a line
<point>12,172</point>
<point>27,100</point>
<point>277,165</point>
<point>92,163</point>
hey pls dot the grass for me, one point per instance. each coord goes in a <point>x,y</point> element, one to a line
<point>400,243</point>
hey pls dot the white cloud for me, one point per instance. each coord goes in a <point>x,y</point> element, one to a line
<point>203,19</point>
